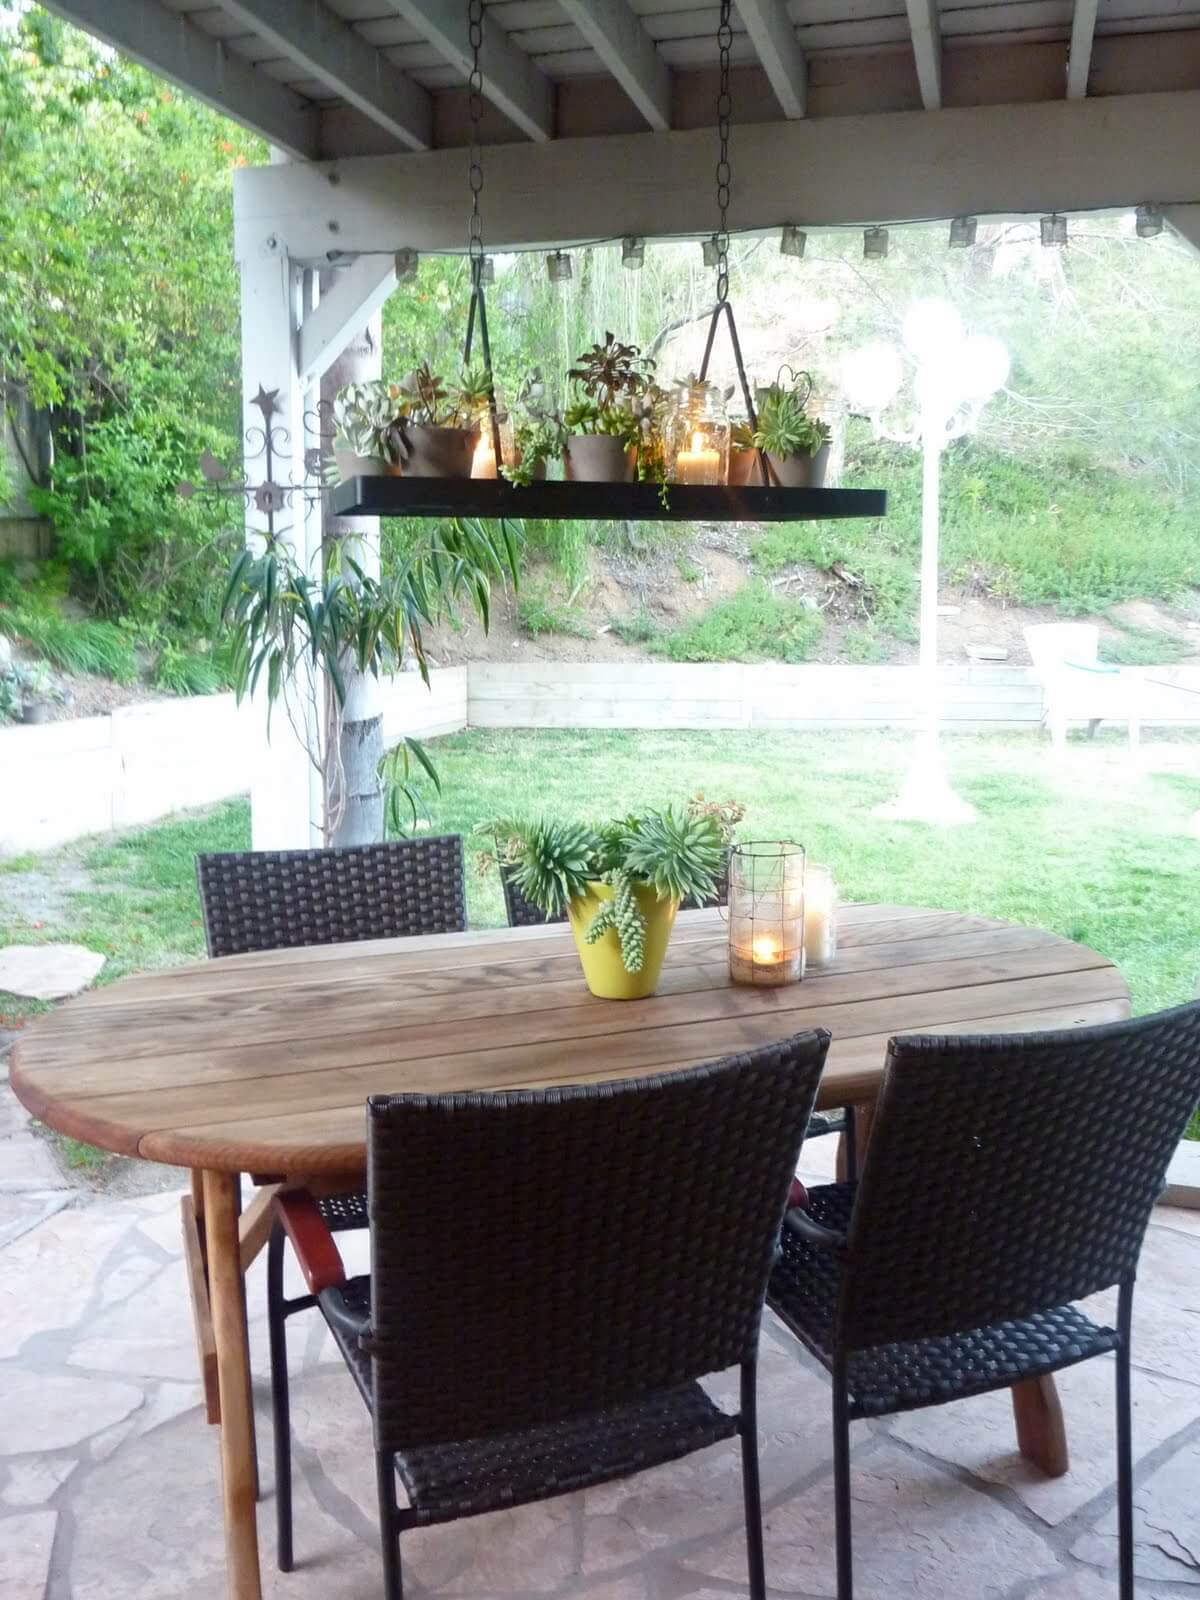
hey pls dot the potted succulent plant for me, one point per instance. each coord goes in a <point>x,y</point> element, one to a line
<point>620,884</point>
<point>366,418</point>
<point>743,455</point>
<point>604,421</point>
<point>796,445</point>
<point>438,427</point>
<point>538,433</point>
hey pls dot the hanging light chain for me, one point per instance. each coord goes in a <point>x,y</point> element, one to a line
<point>724,170</point>
<point>475,110</point>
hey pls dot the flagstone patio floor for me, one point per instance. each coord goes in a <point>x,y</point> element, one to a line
<point>109,1488</point>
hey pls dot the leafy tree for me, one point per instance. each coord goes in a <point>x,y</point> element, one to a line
<point>118,306</point>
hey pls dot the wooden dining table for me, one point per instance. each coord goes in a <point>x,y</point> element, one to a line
<point>261,1064</point>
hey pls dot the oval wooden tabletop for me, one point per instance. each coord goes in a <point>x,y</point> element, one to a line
<point>262,1063</point>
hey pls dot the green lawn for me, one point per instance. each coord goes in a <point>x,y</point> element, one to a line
<point>1092,848</point>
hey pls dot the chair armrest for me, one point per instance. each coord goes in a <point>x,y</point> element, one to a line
<point>797,1195</point>
<point>803,1226</point>
<point>316,1251</point>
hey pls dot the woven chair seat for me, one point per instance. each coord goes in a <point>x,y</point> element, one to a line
<point>906,1376</point>
<point>444,1482</point>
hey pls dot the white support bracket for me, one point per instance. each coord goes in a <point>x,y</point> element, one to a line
<point>773,35</point>
<point>358,294</point>
<point>924,24</point>
<point>617,36</point>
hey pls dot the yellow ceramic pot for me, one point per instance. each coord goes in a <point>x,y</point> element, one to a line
<point>602,964</point>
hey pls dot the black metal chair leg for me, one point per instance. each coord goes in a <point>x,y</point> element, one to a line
<point>1124,1447</point>
<point>280,1399</point>
<point>841,1484</point>
<point>750,1484</point>
<point>850,1144</point>
<point>389,1533</point>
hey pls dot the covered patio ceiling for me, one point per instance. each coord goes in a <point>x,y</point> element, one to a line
<point>327,79</point>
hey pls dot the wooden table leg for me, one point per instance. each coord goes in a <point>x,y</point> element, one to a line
<point>221,1197</point>
<point>1041,1431</point>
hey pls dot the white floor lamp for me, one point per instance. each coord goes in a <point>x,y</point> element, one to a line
<point>952,376</point>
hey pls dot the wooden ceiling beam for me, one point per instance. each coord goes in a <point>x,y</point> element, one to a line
<point>329,49</point>
<point>774,39</point>
<point>184,54</point>
<point>999,160</point>
<point>510,79</point>
<point>1079,60</point>
<point>925,26</point>
<point>627,51</point>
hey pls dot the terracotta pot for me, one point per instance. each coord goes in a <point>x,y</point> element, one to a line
<point>350,465</point>
<point>436,452</point>
<point>799,471</point>
<point>598,458</point>
<point>744,469</point>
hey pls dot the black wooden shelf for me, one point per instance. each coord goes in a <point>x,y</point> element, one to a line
<point>598,502</point>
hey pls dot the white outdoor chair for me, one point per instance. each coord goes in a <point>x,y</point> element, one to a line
<point>1077,686</point>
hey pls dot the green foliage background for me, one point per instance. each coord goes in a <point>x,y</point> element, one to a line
<point>119,311</point>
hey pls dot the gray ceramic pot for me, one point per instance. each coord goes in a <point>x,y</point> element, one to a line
<point>799,471</point>
<point>436,452</point>
<point>598,458</point>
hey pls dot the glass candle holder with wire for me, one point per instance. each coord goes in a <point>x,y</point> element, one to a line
<point>766,913</point>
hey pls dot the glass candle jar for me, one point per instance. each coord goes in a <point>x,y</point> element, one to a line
<point>696,437</point>
<point>820,916</point>
<point>766,913</point>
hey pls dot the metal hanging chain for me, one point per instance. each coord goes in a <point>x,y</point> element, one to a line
<point>475,110</point>
<point>724,171</point>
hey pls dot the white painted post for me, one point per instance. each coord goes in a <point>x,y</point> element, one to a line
<point>285,792</point>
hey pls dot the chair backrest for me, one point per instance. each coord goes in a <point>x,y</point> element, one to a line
<point>276,899</point>
<point>541,1255</point>
<point>1011,1174</point>
<point>522,913</point>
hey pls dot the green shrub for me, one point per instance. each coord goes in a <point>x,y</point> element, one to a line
<point>863,646</point>
<point>187,672</point>
<point>538,612</point>
<point>74,645</point>
<point>639,629</point>
<point>755,624</point>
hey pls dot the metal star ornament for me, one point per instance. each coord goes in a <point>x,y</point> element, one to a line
<point>266,400</point>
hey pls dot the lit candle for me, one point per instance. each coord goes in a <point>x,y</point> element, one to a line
<point>766,951</point>
<point>484,463</point>
<point>698,465</point>
<point>820,916</point>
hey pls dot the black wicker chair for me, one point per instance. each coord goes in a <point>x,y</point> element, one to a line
<point>522,913</point>
<point>278,899</point>
<point>554,1339</point>
<point>952,1269</point>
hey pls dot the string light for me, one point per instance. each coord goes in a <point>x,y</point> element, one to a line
<point>633,253</point>
<point>558,267</point>
<point>875,244</point>
<point>792,241</point>
<point>406,265</point>
<point>1054,230</point>
<point>487,271</point>
<point>1149,222</point>
<point>962,232</point>
<point>711,251</point>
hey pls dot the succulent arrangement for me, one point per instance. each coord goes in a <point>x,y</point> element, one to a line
<point>539,432</point>
<point>785,427</point>
<point>674,854</point>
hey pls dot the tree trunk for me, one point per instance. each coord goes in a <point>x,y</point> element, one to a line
<point>353,749</point>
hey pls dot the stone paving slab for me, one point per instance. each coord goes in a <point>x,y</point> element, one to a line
<point>109,1476</point>
<point>47,971</point>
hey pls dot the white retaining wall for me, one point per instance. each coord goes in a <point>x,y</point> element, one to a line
<point>67,779</point>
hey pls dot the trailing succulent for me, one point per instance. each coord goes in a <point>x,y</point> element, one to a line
<point>676,853</point>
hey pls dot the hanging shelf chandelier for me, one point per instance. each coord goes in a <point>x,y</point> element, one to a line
<point>495,497</point>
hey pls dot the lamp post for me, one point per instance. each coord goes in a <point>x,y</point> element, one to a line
<point>953,375</point>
